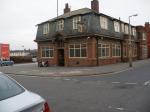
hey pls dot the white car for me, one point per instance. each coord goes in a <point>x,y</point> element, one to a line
<point>15,98</point>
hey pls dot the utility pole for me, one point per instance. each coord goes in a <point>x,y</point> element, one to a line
<point>130,42</point>
<point>57,8</point>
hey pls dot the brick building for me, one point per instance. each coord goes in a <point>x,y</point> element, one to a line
<point>147,30</point>
<point>85,37</point>
<point>142,43</point>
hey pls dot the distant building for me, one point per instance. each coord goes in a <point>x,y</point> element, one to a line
<point>16,53</point>
<point>85,37</point>
<point>142,43</point>
<point>147,30</point>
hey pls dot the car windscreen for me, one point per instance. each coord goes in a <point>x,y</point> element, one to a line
<point>8,87</point>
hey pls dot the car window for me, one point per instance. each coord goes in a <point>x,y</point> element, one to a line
<point>8,88</point>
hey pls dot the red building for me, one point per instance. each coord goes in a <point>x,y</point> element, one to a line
<point>147,30</point>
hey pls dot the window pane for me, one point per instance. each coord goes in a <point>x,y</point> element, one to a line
<point>51,53</point>
<point>107,51</point>
<point>77,52</point>
<point>103,51</point>
<point>71,52</point>
<point>47,52</point>
<point>83,52</point>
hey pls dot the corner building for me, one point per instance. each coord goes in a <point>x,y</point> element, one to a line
<point>85,37</point>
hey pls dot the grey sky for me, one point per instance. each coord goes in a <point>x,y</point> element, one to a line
<point>19,17</point>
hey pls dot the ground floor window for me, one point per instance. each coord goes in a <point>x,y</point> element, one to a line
<point>116,50</point>
<point>77,50</point>
<point>47,52</point>
<point>103,50</point>
<point>125,50</point>
<point>134,50</point>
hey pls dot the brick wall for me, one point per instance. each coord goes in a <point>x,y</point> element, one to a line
<point>90,60</point>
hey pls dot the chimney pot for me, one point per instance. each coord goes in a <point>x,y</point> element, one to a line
<point>95,5</point>
<point>67,9</point>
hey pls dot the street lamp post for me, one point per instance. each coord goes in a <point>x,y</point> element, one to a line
<point>130,43</point>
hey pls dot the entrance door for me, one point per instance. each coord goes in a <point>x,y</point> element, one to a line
<point>61,57</point>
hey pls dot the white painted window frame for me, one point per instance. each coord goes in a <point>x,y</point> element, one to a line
<point>46,28</point>
<point>116,26</point>
<point>76,20</point>
<point>101,46</point>
<point>50,48</point>
<point>77,48</point>
<point>60,25</point>
<point>103,22</point>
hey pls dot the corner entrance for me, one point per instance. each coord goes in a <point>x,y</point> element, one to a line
<point>61,57</point>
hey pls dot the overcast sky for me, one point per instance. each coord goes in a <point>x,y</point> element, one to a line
<point>18,18</point>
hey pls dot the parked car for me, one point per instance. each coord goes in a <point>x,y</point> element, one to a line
<point>6,63</point>
<point>15,98</point>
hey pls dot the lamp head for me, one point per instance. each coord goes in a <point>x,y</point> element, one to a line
<point>135,15</point>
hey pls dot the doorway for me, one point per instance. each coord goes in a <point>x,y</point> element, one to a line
<point>61,57</point>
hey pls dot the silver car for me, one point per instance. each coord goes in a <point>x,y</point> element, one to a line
<point>15,98</point>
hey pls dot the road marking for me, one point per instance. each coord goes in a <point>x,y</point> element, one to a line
<point>66,79</point>
<point>119,109</point>
<point>116,108</point>
<point>146,83</point>
<point>128,83</point>
<point>115,82</point>
<point>57,78</point>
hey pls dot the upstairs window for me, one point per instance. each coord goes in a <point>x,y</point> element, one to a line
<point>116,26</point>
<point>122,27</point>
<point>103,22</point>
<point>60,25</point>
<point>76,21</point>
<point>143,36</point>
<point>126,29</point>
<point>134,31</point>
<point>46,28</point>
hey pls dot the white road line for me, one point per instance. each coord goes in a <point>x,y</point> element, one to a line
<point>146,83</point>
<point>66,79</point>
<point>116,108</point>
<point>115,82</point>
<point>119,109</point>
<point>128,83</point>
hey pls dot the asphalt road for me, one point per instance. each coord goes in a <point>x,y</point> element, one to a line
<point>128,91</point>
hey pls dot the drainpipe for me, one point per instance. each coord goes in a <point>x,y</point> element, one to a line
<point>97,60</point>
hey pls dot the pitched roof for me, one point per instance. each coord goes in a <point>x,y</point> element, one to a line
<point>81,11</point>
<point>72,13</point>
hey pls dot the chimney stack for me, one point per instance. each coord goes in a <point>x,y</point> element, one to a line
<point>67,9</point>
<point>95,5</point>
<point>147,24</point>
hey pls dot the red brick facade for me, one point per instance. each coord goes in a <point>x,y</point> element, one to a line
<point>92,58</point>
<point>147,30</point>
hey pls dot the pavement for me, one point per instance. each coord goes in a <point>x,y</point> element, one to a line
<point>31,69</point>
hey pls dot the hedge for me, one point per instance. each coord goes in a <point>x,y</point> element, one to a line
<point>21,59</point>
